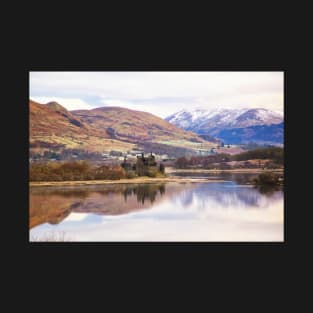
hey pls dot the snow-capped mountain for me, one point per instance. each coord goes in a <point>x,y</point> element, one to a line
<point>213,122</point>
<point>203,119</point>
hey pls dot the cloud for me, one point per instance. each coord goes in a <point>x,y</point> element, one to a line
<point>161,93</point>
<point>116,102</point>
<point>156,106</point>
<point>68,103</point>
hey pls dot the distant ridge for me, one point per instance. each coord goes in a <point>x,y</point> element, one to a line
<point>220,123</point>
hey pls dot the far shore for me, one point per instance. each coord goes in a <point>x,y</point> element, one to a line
<point>238,170</point>
<point>139,180</point>
<point>150,180</point>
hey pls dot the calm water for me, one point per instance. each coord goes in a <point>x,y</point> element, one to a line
<point>215,211</point>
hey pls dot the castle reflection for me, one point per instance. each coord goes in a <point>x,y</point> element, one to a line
<point>52,205</point>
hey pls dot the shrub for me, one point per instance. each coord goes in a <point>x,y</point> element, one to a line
<point>152,172</point>
<point>106,172</point>
<point>78,170</point>
<point>224,166</point>
<point>131,174</point>
<point>210,166</point>
<point>272,165</point>
<point>274,153</point>
<point>116,173</point>
<point>181,163</point>
<point>268,179</point>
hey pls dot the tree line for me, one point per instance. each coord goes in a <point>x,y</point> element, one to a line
<point>274,154</point>
<point>83,170</point>
<point>75,170</point>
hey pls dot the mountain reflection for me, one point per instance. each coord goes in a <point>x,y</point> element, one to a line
<point>49,205</point>
<point>53,205</point>
<point>228,194</point>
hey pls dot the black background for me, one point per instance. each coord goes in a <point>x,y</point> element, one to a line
<point>253,276</point>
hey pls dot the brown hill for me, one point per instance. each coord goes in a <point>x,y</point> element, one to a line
<point>52,118</point>
<point>52,205</point>
<point>52,126</point>
<point>103,129</point>
<point>134,126</point>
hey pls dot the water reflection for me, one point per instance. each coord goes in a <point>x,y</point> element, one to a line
<point>144,192</point>
<point>214,211</point>
<point>240,178</point>
<point>229,194</point>
<point>268,190</point>
<point>52,205</point>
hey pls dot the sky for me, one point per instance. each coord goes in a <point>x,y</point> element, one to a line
<point>160,93</point>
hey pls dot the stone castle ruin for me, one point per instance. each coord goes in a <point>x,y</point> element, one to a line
<point>144,166</point>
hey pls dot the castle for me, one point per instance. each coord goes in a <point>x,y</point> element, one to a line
<point>147,161</point>
<point>143,164</point>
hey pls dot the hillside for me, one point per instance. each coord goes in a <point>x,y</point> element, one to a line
<point>136,126</point>
<point>262,134</point>
<point>132,125</point>
<point>232,125</point>
<point>204,120</point>
<point>51,126</point>
<point>53,119</point>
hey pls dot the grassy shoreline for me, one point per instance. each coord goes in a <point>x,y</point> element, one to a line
<point>239,170</point>
<point>150,180</point>
<point>139,180</point>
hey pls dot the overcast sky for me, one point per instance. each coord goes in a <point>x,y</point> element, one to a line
<point>160,93</point>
